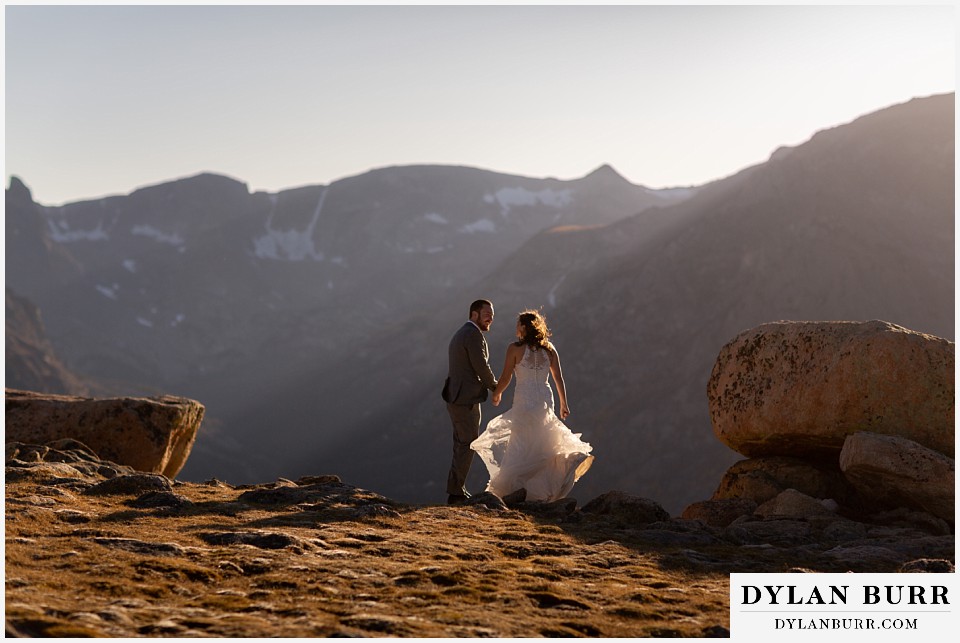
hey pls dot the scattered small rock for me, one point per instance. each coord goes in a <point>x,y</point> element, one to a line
<point>321,480</point>
<point>515,497</point>
<point>49,473</point>
<point>844,530</point>
<point>626,508</point>
<point>229,566</point>
<point>131,483</point>
<point>777,532</point>
<point>263,540</point>
<point>486,499</point>
<point>275,496</point>
<point>791,503</point>
<point>928,566</point>
<point>159,499</point>
<point>720,512</point>
<point>547,600</point>
<point>73,516</point>
<point>376,511</point>
<point>141,546</point>
<point>866,555</point>
<point>562,509</point>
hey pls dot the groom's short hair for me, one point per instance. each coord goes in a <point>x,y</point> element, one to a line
<point>478,304</point>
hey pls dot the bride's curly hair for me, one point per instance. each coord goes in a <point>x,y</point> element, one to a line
<point>534,329</point>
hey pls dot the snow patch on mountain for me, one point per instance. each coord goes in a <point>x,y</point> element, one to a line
<point>432,250</point>
<point>290,245</point>
<point>144,322</point>
<point>63,233</point>
<point>513,197</point>
<point>157,235</point>
<point>130,265</point>
<point>483,225</point>
<point>110,292</point>
<point>436,218</point>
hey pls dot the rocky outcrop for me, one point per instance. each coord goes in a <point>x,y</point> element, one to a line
<point>796,396</point>
<point>148,434</point>
<point>626,508</point>
<point>719,512</point>
<point>796,388</point>
<point>761,479</point>
<point>898,472</point>
<point>794,504</point>
<point>319,557</point>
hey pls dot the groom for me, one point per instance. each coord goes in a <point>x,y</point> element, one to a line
<point>466,387</point>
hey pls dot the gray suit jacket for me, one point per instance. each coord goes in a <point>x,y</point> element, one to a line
<point>469,376</point>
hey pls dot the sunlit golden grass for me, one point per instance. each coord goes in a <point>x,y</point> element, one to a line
<point>82,565</point>
<point>428,571</point>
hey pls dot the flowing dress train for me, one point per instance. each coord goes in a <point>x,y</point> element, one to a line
<point>528,446</point>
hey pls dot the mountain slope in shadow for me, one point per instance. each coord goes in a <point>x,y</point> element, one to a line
<point>855,224</point>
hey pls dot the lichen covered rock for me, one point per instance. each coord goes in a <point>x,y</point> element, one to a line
<point>899,472</point>
<point>799,388</point>
<point>154,434</point>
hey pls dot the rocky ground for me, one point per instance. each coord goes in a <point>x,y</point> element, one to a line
<point>97,549</point>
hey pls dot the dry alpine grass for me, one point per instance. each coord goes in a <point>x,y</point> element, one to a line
<point>90,565</point>
<point>97,549</point>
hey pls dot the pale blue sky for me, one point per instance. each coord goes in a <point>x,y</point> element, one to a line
<point>102,100</point>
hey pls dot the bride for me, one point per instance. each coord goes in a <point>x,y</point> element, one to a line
<point>528,447</point>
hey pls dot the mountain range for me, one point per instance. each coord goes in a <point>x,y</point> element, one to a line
<point>313,322</point>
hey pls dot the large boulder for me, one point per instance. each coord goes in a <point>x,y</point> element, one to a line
<point>899,472</point>
<point>719,513</point>
<point>626,508</point>
<point>762,479</point>
<point>800,388</point>
<point>792,504</point>
<point>148,434</point>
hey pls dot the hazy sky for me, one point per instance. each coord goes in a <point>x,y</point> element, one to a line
<point>102,100</point>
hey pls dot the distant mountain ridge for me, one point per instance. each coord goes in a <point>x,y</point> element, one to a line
<point>157,259</point>
<point>201,288</point>
<point>30,359</point>
<point>856,224</point>
<point>313,323</point>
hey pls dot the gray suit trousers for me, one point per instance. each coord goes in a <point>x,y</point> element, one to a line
<point>466,428</point>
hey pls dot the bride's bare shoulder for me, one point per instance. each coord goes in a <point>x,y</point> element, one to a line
<point>514,352</point>
<point>552,351</point>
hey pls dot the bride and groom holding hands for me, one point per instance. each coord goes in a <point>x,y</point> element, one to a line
<point>528,447</point>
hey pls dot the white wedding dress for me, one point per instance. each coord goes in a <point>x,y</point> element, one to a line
<point>528,446</point>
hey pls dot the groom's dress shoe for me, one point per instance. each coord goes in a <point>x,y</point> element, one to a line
<point>457,498</point>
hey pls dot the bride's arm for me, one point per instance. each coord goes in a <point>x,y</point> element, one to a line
<point>509,363</point>
<point>557,373</point>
